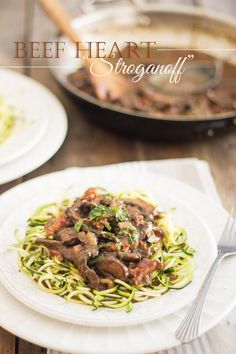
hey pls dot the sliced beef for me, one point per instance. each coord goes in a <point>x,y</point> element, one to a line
<point>145,229</point>
<point>56,246</point>
<point>104,248</point>
<point>73,212</point>
<point>77,255</point>
<point>85,208</point>
<point>80,261</point>
<point>112,266</point>
<point>104,200</point>
<point>159,232</point>
<point>92,277</point>
<point>139,206</point>
<point>89,241</point>
<point>56,224</point>
<point>79,209</point>
<point>133,211</point>
<point>129,256</point>
<point>67,252</point>
<point>68,237</point>
<point>48,243</point>
<point>109,247</point>
<point>143,269</point>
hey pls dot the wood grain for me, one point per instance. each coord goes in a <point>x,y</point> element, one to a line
<point>26,347</point>
<point>7,342</point>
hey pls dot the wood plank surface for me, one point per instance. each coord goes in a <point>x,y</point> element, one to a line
<point>7,342</point>
<point>87,144</point>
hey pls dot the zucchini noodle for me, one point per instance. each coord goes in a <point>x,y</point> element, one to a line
<point>8,119</point>
<point>63,279</point>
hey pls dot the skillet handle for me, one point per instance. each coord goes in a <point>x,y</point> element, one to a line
<point>60,17</point>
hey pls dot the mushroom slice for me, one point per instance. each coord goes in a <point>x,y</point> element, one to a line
<point>80,261</point>
<point>114,267</point>
<point>141,206</point>
<point>129,256</point>
<point>56,224</point>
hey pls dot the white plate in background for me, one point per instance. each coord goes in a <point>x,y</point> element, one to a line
<point>42,133</point>
<point>32,117</point>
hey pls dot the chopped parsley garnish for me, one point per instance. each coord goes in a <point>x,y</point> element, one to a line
<point>78,225</point>
<point>109,236</point>
<point>129,231</point>
<point>96,259</point>
<point>170,270</point>
<point>133,236</point>
<point>101,211</point>
<point>107,225</point>
<point>121,214</point>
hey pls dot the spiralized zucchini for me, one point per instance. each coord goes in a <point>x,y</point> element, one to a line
<point>63,279</point>
<point>8,119</point>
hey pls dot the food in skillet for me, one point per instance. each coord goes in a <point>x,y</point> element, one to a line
<point>144,97</point>
<point>106,250</point>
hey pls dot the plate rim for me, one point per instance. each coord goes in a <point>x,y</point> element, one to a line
<point>81,318</point>
<point>25,163</point>
<point>45,341</point>
<point>10,75</point>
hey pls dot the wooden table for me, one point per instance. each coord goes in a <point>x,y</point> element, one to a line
<point>87,144</point>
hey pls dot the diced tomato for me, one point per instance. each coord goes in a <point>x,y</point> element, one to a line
<point>138,219</point>
<point>145,267</point>
<point>90,194</point>
<point>57,224</point>
<point>54,253</point>
<point>125,244</point>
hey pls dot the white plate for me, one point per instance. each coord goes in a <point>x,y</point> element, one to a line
<point>23,94</point>
<point>145,338</point>
<point>38,136</point>
<point>27,291</point>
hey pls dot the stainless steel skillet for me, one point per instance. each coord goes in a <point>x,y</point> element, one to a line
<point>176,26</point>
